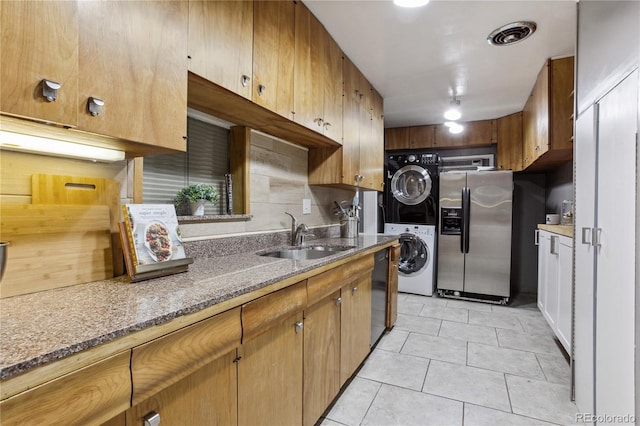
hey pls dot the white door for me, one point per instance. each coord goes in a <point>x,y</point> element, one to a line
<point>551,279</point>
<point>584,279</point>
<point>615,272</point>
<point>543,260</point>
<point>565,266</point>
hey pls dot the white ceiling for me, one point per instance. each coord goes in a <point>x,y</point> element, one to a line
<point>415,58</point>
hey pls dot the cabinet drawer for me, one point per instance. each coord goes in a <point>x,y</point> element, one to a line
<point>261,314</point>
<point>91,395</point>
<point>164,361</point>
<point>322,285</point>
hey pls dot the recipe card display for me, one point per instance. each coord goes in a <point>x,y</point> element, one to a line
<point>153,233</point>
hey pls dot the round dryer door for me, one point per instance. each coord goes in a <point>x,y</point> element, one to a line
<point>414,254</point>
<point>411,185</point>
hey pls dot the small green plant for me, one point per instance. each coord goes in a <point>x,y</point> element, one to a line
<point>193,193</point>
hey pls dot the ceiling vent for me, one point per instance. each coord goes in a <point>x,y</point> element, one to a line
<point>511,33</point>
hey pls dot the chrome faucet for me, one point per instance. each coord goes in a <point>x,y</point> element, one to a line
<point>298,232</point>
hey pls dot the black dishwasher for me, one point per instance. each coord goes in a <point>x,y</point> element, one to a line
<point>379,295</point>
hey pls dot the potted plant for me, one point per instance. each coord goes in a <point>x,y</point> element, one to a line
<point>196,196</point>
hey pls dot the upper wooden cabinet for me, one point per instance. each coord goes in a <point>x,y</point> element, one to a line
<point>547,121</point>
<point>39,42</point>
<point>135,64</point>
<point>317,77</point>
<point>273,55</point>
<point>360,161</point>
<point>475,133</point>
<point>221,43</point>
<point>409,137</point>
<point>509,130</point>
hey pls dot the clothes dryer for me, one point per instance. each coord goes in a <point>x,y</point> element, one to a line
<point>417,260</point>
<point>411,187</point>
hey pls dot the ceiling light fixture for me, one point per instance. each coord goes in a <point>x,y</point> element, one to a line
<point>456,128</point>
<point>453,113</point>
<point>410,3</point>
<point>39,145</point>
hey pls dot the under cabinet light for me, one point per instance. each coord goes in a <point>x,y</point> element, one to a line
<point>38,145</point>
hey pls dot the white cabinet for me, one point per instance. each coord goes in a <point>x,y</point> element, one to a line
<point>554,283</point>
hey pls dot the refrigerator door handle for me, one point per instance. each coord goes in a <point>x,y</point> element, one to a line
<point>466,217</point>
<point>462,229</point>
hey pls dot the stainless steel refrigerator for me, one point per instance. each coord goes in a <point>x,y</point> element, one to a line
<point>474,237</point>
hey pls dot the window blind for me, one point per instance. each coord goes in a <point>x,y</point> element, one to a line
<point>206,161</point>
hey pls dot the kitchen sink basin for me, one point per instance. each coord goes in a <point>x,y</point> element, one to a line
<point>306,252</point>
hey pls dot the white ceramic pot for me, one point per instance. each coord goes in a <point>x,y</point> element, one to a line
<point>197,208</point>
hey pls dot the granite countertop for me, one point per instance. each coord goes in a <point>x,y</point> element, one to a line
<point>39,328</point>
<point>566,230</point>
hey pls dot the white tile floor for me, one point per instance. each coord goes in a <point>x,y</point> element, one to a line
<point>451,362</point>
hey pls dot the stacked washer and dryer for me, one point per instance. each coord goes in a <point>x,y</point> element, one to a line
<point>411,211</point>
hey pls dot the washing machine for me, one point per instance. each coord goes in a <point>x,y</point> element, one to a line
<point>412,187</point>
<point>417,260</point>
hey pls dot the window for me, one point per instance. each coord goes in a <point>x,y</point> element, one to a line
<point>206,161</point>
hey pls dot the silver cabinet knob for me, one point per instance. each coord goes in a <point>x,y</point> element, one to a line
<point>327,125</point>
<point>299,327</point>
<point>318,121</point>
<point>152,419</point>
<point>245,80</point>
<point>95,105</point>
<point>354,290</point>
<point>339,301</point>
<point>50,90</point>
<point>261,89</point>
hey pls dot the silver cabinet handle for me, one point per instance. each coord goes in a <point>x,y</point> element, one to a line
<point>299,327</point>
<point>245,80</point>
<point>327,125</point>
<point>538,148</point>
<point>50,90</point>
<point>95,105</point>
<point>595,238</point>
<point>318,121</point>
<point>152,419</point>
<point>553,248</point>
<point>261,89</point>
<point>586,240</point>
<point>339,301</point>
<point>354,290</point>
<point>537,237</point>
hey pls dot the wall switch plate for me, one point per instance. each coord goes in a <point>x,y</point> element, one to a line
<point>306,206</point>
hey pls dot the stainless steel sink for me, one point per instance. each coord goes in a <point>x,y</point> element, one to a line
<point>306,252</point>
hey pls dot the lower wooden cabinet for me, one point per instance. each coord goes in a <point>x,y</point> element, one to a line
<point>355,325</point>
<point>392,286</point>
<point>91,395</point>
<point>205,397</point>
<point>321,356</point>
<point>270,376</point>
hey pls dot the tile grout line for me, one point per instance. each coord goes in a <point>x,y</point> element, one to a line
<point>371,403</point>
<point>541,369</point>
<point>504,377</point>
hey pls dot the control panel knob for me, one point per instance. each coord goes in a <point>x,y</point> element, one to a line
<point>411,158</point>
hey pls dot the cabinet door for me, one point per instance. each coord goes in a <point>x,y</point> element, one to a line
<point>535,119</point>
<point>207,396</point>
<point>475,133</point>
<point>509,130</point>
<point>221,43</point>
<point>273,55</point>
<point>561,104</point>
<point>565,276</point>
<point>551,283</point>
<point>371,146</point>
<point>321,356</point>
<point>351,123</point>
<point>39,41</point>
<point>422,137</point>
<point>543,260</point>
<point>355,325</point>
<point>397,138</point>
<point>308,91</point>
<point>270,376</point>
<point>392,288</point>
<point>332,77</point>
<point>135,61</point>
